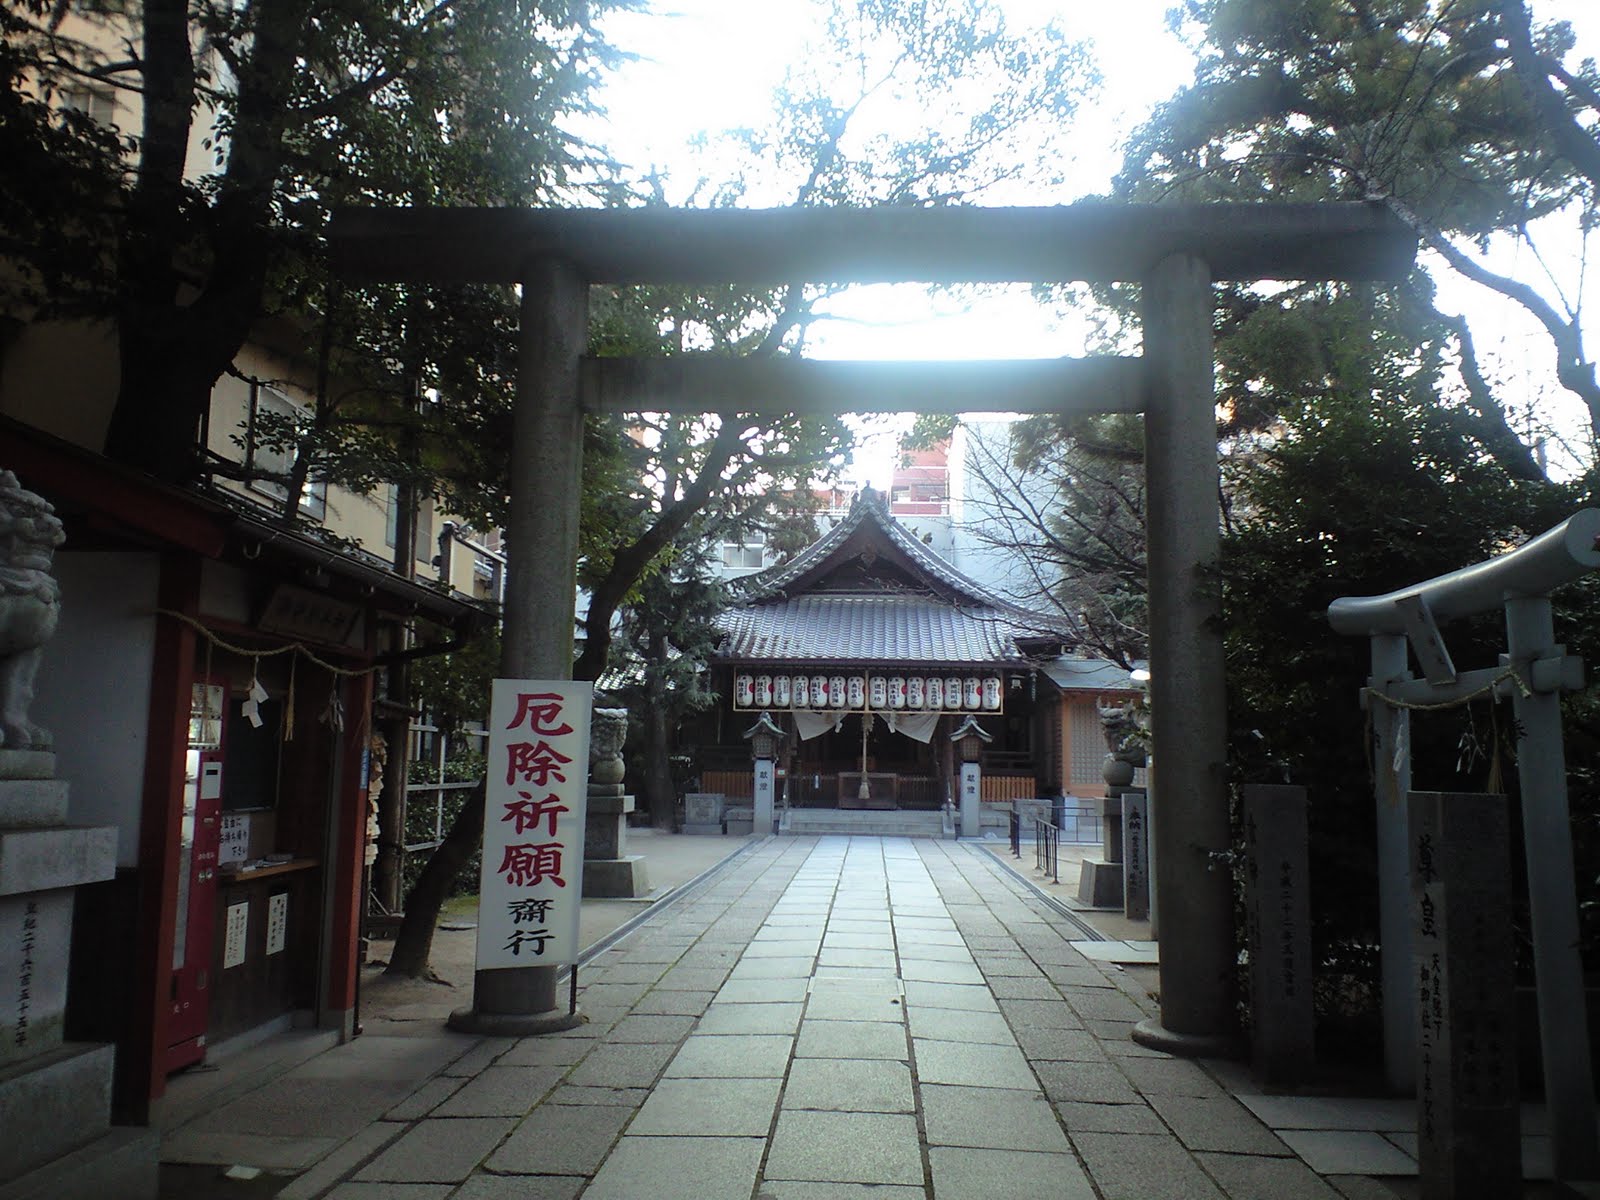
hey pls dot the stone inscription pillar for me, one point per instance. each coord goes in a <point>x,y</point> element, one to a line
<point>971,800</point>
<point>1278,931</point>
<point>1136,855</point>
<point>1188,723</point>
<point>1469,1143</point>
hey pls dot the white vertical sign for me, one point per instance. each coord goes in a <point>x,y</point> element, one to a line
<point>535,797</point>
<point>233,941</point>
<point>277,922</point>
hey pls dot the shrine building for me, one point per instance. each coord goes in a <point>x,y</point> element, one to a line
<point>872,654</point>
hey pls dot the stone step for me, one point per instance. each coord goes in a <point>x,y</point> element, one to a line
<point>121,1164</point>
<point>864,823</point>
<point>52,1104</point>
<point>30,803</point>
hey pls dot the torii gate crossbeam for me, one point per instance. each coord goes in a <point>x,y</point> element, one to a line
<point>1174,251</point>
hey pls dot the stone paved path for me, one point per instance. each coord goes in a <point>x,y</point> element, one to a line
<point>833,1018</point>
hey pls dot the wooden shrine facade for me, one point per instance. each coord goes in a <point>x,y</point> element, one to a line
<point>869,651</point>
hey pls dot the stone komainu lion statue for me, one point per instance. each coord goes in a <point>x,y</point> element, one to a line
<point>30,605</point>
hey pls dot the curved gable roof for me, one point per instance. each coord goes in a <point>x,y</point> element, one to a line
<point>902,603</point>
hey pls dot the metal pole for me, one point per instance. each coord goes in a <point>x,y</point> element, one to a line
<point>1391,781</point>
<point>541,565</point>
<point>1187,697</point>
<point>1552,896</point>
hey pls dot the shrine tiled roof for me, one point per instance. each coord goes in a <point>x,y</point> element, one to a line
<point>867,629</point>
<point>927,613</point>
<point>870,508</point>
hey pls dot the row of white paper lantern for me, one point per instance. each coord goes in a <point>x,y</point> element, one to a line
<point>894,691</point>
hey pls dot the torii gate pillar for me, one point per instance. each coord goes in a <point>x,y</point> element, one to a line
<point>1187,694</point>
<point>541,562</point>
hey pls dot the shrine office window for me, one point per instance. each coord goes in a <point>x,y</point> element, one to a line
<point>275,423</point>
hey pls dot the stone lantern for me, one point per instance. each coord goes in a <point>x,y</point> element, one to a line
<point>766,738</point>
<point>970,738</point>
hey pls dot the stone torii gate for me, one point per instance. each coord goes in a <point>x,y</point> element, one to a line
<point>1175,252</point>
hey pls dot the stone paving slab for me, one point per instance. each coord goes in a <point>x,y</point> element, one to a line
<point>965,997</point>
<point>1134,1166</point>
<point>732,1056</point>
<point>1084,1117</point>
<point>724,1018</point>
<point>967,1174</point>
<point>991,1118</point>
<point>673,1003</point>
<point>972,1064</point>
<point>437,1150</point>
<point>1321,1112</point>
<point>520,1187</point>
<point>793,1190</point>
<point>757,991</point>
<point>560,1140</point>
<point>709,1108</point>
<point>922,970</point>
<point>1249,1177</point>
<point>852,1040</point>
<point>1348,1152</point>
<point>610,1065</point>
<point>502,1092</point>
<point>773,968</point>
<point>850,1085</point>
<point>660,1168</point>
<point>1216,1123</point>
<point>845,1148</point>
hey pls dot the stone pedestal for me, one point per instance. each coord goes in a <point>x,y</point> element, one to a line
<point>55,1095</point>
<point>608,869</point>
<point>740,819</point>
<point>1100,880</point>
<point>702,812</point>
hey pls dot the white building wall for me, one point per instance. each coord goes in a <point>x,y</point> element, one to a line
<point>990,503</point>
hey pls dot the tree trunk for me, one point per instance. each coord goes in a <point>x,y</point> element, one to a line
<point>661,798</point>
<point>414,941</point>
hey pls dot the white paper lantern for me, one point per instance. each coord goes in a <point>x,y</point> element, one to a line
<point>836,692</point>
<point>972,693</point>
<point>879,691</point>
<point>800,692</point>
<point>744,692</point>
<point>916,692</point>
<point>858,691</point>
<point>780,691</point>
<point>991,693</point>
<point>952,694</point>
<point>897,692</point>
<point>763,691</point>
<point>935,692</point>
<point>819,691</point>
